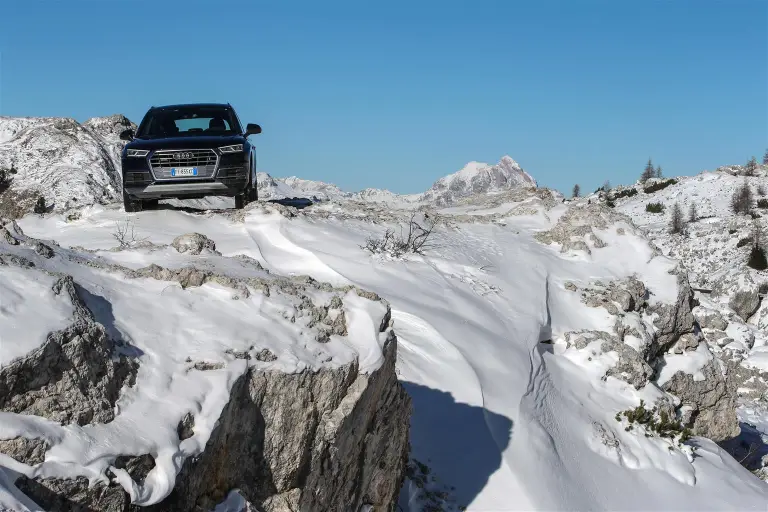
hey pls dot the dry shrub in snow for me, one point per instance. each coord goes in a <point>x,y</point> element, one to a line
<point>125,234</point>
<point>416,238</point>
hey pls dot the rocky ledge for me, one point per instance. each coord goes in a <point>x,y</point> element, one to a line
<point>333,438</point>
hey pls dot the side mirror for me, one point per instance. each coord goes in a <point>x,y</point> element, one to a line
<point>252,129</point>
<point>126,135</point>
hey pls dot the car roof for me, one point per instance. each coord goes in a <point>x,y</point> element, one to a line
<point>192,105</point>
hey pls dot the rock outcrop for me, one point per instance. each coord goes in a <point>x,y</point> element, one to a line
<point>711,404</point>
<point>739,291</point>
<point>676,319</point>
<point>332,438</point>
<point>643,334</point>
<point>74,377</point>
<point>575,229</point>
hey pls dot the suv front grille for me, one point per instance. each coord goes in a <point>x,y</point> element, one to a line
<point>163,161</point>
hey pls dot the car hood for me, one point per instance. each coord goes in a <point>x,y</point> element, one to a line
<point>186,142</point>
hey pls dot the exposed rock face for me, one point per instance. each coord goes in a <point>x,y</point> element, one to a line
<point>328,440</point>
<point>710,318</point>
<point>739,291</point>
<point>73,377</point>
<point>713,403</point>
<point>631,367</point>
<point>621,295</point>
<point>68,163</point>
<point>331,439</point>
<point>194,243</point>
<point>675,319</point>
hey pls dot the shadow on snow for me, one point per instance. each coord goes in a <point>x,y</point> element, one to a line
<point>461,444</point>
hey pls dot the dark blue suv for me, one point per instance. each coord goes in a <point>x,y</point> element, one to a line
<point>189,151</point>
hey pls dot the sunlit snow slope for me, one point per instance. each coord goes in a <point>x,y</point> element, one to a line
<point>502,421</point>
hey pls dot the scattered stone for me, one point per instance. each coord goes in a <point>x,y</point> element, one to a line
<point>709,318</point>
<point>266,356</point>
<point>194,243</point>
<point>205,366</point>
<point>740,291</point>
<point>186,426</point>
<point>687,342</point>
<point>7,237</point>
<point>43,250</point>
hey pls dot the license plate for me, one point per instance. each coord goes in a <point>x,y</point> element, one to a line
<point>183,171</point>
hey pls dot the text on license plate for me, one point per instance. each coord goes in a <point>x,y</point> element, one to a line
<point>183,171</point>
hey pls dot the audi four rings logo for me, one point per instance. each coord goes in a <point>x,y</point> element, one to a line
<point>182,156</point>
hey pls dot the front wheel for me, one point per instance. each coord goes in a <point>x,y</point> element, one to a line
<point>131,205</point>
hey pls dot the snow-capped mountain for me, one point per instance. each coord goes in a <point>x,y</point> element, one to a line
<point>478,178</point>
<point>66,162</point>
<point>315,190</point>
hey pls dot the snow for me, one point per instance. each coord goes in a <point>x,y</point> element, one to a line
<point>690,362</point>
<point>507,422</point>
<point>29,310</point>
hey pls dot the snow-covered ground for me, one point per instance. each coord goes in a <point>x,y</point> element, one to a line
<point>500,421</point>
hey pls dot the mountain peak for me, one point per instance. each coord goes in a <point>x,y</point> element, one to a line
<point>479,178</point>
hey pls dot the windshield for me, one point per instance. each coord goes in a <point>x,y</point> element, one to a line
<point>188,121</point>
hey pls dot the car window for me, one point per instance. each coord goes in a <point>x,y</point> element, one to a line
<point>180,122</point>
<point>201,124</point>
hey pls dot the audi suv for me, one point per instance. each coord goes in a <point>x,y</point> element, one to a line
<point>186,152</point>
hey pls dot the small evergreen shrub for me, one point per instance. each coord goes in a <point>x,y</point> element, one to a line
<point>662,425</point>
<point>627,192</point>
<point>677,222</point>
<point>659,185</point>
<point>40,206</point>
<point>757,258</point>
<point>744,241</point>
<point>760,190</point>
<point>654,207</point>
<point>762,203</point>
<point>741,200</point>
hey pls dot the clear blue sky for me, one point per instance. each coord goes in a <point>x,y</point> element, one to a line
<point>396,94</point>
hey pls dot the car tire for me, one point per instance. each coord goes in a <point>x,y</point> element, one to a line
<point>253,193</point>
<point>131,205</point>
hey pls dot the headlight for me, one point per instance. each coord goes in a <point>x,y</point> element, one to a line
<point>237,148</point>
<point>137,153</point>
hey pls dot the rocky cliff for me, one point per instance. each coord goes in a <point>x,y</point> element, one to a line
<point>326,437</point>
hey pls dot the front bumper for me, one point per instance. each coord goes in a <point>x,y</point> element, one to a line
<point>189,189</point>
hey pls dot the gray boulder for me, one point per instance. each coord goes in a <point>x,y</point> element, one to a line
<point>739,290</point>
<point>194,243</point>
<point>709,318</point>
<point>712,402</point>
<point>675,319</point>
